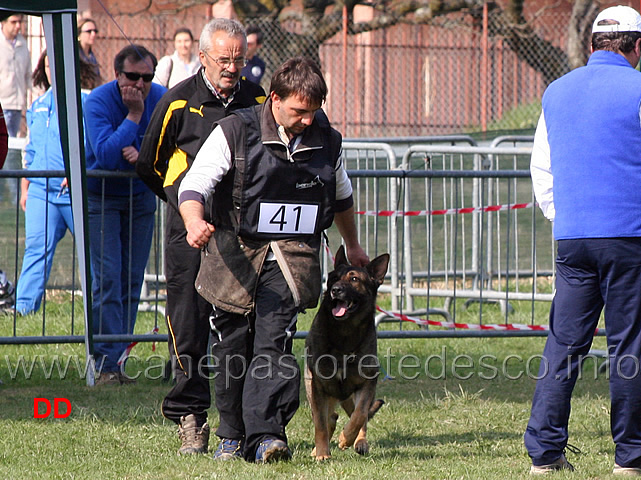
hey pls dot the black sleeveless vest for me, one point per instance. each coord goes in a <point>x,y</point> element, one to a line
<point>276,195</point>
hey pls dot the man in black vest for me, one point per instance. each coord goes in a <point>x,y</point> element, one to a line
<point>180,123</point>
<point>277,181</point>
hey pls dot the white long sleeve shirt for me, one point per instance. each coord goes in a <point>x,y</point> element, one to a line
<point>213,161</point>
<point>541,170</point>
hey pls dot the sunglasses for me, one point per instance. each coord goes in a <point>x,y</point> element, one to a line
<point>134,77</point>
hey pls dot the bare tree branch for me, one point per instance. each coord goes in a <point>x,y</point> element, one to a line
<point>140,10</point>
<point>319,20</point>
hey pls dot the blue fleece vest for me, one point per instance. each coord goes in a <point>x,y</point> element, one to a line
<point>594,133</point>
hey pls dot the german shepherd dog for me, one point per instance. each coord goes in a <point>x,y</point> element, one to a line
<point>342,366</point>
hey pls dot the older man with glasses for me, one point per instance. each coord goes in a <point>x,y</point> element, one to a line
<point>121,210</point>
<point>182,120</point>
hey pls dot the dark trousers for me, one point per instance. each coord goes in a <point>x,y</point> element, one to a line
<point>592,274</point>
<point>257,379</point>
<point>187,316</point>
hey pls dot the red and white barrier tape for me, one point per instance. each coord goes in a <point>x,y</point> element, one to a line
<point>468,326</point>
<point>131,346</point>
<point>448,211</point>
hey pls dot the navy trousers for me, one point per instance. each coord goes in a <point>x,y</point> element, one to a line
<point>592,275</point>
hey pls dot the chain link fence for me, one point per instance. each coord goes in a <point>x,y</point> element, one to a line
<point>452,76</point>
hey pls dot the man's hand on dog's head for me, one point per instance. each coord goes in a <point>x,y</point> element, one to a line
<point>357,256</point>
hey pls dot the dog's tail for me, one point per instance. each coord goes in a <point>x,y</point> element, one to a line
<point>376,406</point>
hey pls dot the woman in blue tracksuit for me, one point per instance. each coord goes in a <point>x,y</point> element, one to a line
<point>45,201</point>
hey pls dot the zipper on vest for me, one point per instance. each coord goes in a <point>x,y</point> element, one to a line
<point>301,150</point>
<point>250,330</point>
<point>280,144</point>
<point>290,155</point>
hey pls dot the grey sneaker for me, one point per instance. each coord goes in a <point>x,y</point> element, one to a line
<point>194,438</point>
<point>559,464</point>
<point>228,449</point>
<point>628,471</point>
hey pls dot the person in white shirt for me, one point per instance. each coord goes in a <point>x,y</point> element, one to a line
<point>180,65</point>
<point>586,173</point>
<point>16,72</point>
<point>276,180</point>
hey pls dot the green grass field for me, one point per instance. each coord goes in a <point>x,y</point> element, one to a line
<point>455,409</point>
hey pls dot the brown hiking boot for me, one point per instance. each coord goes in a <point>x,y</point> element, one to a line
<point>126,379</point>
<point>194,438</point>
<point>107,378</point>
<point>113,378</point>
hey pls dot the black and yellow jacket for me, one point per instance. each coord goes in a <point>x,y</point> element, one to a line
<point>181,122</point>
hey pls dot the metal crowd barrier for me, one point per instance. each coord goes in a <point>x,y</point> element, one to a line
<point>376,234</point>
<point>476,208</point>
<point>459,222</point>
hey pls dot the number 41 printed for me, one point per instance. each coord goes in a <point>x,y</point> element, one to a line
<point>287,218</point>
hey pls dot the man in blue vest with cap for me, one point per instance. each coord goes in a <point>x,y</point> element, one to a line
<point>586,172</point>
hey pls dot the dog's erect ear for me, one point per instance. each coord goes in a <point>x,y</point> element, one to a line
<point>377,268</point>
<point>341,258</point>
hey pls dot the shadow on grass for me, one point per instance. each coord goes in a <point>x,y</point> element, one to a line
<point>417,446</point>
<point>116,403</point>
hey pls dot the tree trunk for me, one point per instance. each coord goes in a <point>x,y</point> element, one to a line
<point>580,31</point>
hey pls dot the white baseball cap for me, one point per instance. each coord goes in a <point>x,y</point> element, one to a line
<point>627,20</point>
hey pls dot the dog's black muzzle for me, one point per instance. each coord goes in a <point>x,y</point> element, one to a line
<point>342,305</point>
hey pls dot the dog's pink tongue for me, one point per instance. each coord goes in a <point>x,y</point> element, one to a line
<point>339,310</point>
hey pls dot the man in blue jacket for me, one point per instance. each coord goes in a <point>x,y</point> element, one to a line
<point>586,172</point>
<point>121,210</point>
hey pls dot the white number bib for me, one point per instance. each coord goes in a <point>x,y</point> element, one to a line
<point>287,218</point>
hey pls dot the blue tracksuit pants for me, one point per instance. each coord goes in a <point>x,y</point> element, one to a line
<point>43,220</point>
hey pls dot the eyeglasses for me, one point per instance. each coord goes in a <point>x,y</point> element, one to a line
<point>92,30</point>
<point>225,62</point>
<point>134,76</point>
